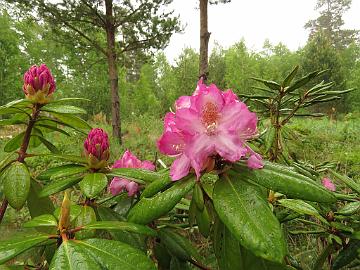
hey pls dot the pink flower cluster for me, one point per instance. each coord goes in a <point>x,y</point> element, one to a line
<point>328,184</point>
<point>38,83</point>
<point>128,160</point>
<point>96,145</point>
<point>208,123</point>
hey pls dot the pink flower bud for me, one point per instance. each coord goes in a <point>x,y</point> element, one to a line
<point>39,84</point>
<point>96,148</point>
<point>328,184</point>
<point>128,160</point>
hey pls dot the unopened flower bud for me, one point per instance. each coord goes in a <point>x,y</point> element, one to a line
<point>39,84</point>
<point>96,148</point>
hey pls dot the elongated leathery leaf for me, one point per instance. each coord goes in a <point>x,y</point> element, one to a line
<point>242,208</point>
<point>284,180</point>
<point>122,226</point>
<point>116,255</point>
<point>148,209</point>
<point>45,220</point>
<point>16,184</point>
<point>93,183</point>
<point>59,185</point>
<point>70,256</point>
<point>22,242</point>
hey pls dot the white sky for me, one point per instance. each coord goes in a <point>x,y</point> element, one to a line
<point>254,20</point>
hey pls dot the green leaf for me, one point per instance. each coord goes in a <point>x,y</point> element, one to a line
<point>61,171</point>
<point>301,207</point>
<point>59,185</point>
<point>290,77</point>
<point>14,143</point>
<point>72,158</point>
<point>63,109</point>
<point>52,148</point>
<point>53,128</point>
<point>17,245</point>
<point>93,184</point>
<point>16,184</point>
<point>113,254</point>
<point>138,175</point>
<point>347,255</point>
<point>70,256</point>
<point>178,245</point>
<point>75,211</point>
<point>65,100</point>
<point>302,81</point>
<point>72,121</point>
<point>271,84</point>
<point>148,209</point>
<point>67,171</point>
<point>231,255</point>
<point>8,159</point>
<point>349,209</point>
<point>135,240</point>
<point>12,121</point>
<point>285,180</point>
<point>122,226</point>
<point>347,181</point>
<point>42,221</point>
<point>203,221</point>
<point>156,186</point>
<point>244,211</point>
<point>87,216</point>
<point>198,196</point>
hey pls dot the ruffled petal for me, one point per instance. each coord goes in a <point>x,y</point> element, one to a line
<point>188,120</point>
<point>183,102</point>
<point>132,188</point>
<point>229,96</point>
<point>211,95</point>
<point>180,168</point>
<point>117,185</point>
<point>171,143</point>
<point>148,165</point>
<point>229,146</point>
<point>255,162</point>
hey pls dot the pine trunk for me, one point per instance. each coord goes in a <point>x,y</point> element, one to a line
<point>113,71</point>
<point>204,40</point>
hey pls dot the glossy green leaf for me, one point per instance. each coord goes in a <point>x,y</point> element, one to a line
<point>198,196</point>
<point>290,77</point>
<point>347,181</point>
<point>70,256</point>
<point>122,226</point>
<point>42,221</point>
<point>63,109</point>
<point>302,81</point>
<point>16,184</point>
<point>148,209</point>
<point>14,143</point>
<point>113,254</point>
<point>60,171</point>
<point>284,180</point>
<point>156,186</point>
<point>349,209</point>
<point>65,100</point>
<point>72,158</point>
<point>133,239</point>
<point>244,211</point>
<point>138,175</point>
<point>52,148</point>
<point>93,184</point>
<point>162,256</point>
<point>203,221</point>
<point>72,121</point>
<point>269,139</point>
<point>11,121</point>
<point>8,159</point>
<point>17,245</point>
<point>231,255</point>
<point>59,185</point>
<point>271,84</point>
<point>178,264</point>
<point>66,171</point>
<point>301,207</point>
<point>86,216</point>
<point>178,245</point>
<point>347,255</point>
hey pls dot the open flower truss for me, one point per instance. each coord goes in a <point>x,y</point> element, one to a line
<point>132,216</point>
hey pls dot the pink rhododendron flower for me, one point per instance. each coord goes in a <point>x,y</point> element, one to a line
<point>96,148</point>
<point>208,123</point>
<point>39,84</point>
<point>128,160</point>
<point>327,183</point>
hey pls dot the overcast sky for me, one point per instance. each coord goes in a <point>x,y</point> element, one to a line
<point>254,20</point>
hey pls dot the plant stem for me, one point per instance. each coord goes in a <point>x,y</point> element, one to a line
<point>23,148</point>
<point>199,265</point>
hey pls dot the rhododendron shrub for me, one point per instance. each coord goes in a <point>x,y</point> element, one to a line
<point>132,214</point>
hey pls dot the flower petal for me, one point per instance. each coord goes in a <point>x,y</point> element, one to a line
<point>148,165</point>
<point>171,143</point>
<point>188,120</point>
<point>117,185</point>
<point>229,146</point>
<point>255,162</point>
<point>180,167</point>
<point>132,188</point>
<point>211,95</point>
